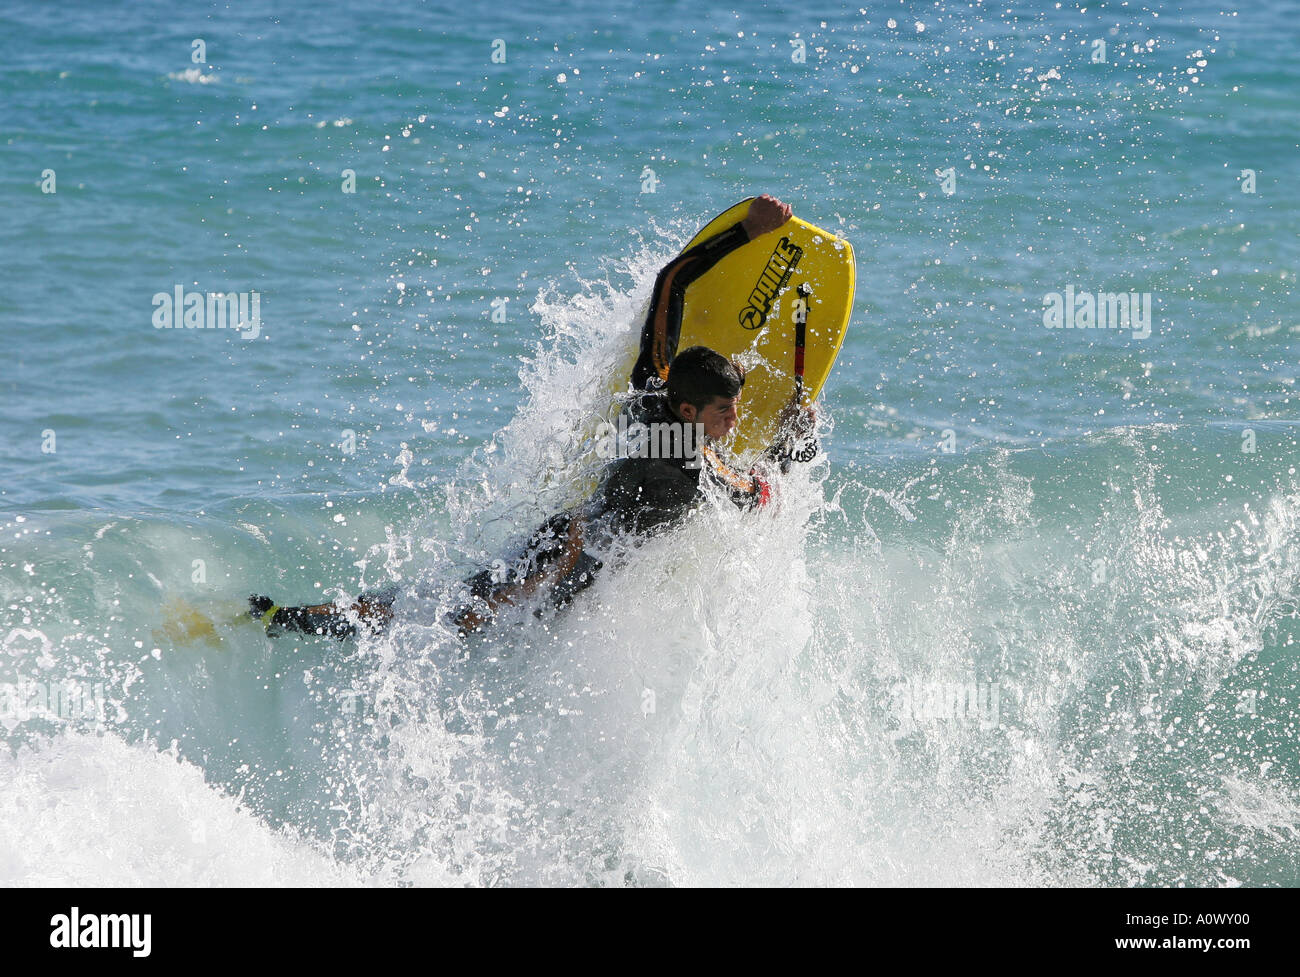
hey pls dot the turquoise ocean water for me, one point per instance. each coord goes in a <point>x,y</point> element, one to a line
<point>1029,620</point>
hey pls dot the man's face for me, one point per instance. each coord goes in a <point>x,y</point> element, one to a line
<point>719,417</point>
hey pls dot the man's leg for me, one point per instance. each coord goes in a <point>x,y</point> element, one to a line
<point>578,579</point>
<point>374,608</point>
<point>549,558</point>
<point>552,557</point>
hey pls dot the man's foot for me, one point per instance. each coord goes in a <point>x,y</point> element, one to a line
<point>263,610</point>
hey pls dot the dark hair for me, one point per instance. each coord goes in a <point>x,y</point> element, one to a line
<point>698,375</point>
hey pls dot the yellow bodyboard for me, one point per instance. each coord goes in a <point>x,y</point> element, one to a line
<point>744,307</point>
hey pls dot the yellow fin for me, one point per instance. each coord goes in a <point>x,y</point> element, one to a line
<point>184,624</point>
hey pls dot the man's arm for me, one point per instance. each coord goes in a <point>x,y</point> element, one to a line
<point>663,324</point>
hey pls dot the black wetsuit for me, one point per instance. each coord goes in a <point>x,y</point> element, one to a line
<point>641,495</point>
<point>637,496</point>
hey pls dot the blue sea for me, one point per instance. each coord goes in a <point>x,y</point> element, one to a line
<point>1030,619</point>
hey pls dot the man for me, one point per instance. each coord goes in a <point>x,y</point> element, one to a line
<point>638,495</point>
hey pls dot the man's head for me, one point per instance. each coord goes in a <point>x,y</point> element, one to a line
<point>704,388</point>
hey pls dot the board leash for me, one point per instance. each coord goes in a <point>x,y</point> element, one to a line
<point>809,450</point>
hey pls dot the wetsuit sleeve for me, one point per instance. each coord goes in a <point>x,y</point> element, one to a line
<point>753,493</point>
<point>748,491</point>
<point>663,323</point>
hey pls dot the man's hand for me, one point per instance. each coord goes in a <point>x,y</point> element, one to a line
<point>766,213</point>
<point>795,435</point>
<point>797,421</point>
